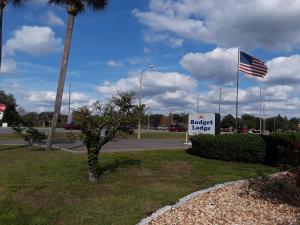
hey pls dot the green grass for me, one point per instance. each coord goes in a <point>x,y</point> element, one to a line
<point>4,137</point>
<point>51,187</point>
<point>65,136</point>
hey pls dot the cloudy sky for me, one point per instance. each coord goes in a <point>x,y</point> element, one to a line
<point>192,43</point>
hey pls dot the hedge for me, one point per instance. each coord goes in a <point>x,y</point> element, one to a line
<point>230,147</point>
<point>283,149</point>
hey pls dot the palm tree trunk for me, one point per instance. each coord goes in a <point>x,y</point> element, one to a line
<point>62,75</point>
<point>1,21</point>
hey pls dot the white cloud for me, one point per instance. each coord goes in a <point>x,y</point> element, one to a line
<point>8,66</point>
<point>34,40</point>
<point>44,100</point>
<point>49,97</point>
<point>114,64</point>
<point>52,19</point>
<point>219,65</point>
<point>284,70</point>
<point>154,83</point>
<point>174,92</point>
<point>269,24</point>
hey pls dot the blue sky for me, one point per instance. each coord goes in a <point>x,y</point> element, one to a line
<point>192,43</point>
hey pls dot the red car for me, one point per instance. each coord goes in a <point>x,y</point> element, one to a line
<point>176,128</point>
<point>71,126</point>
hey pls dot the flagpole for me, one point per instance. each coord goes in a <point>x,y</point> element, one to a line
<point>237,93</point>
<point>260,122</point>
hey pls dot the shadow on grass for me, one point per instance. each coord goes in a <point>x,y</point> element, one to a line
<point>11,147</point>
<point>117,164</point>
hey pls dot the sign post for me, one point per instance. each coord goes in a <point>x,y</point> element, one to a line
<point>204,123</point>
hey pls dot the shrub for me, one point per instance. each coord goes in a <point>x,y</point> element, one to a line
<point>30,135</point>
<point>282,150</point>
<point>231,147</point>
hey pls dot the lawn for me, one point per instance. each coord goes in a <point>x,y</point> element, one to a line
<point>4,137</point>
<point>65,136</point>
<point>51,187</point>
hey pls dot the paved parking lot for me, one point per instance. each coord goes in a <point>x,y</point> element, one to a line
<point>130,144</point>
<point>118,145</point>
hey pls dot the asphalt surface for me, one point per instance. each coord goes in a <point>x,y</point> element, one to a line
<point>117,145</point>
<point>9,130</point>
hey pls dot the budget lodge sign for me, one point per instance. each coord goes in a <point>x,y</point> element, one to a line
<point>204,123</point>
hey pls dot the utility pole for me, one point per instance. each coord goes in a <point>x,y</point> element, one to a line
<point>260,122</point>
<point>197,102</point>
<point>264,118</point>
<point>220,99</point>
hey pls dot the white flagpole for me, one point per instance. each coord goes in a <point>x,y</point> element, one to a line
<point>237,92</point>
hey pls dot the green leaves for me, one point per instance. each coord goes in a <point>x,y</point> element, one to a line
<point>104,121</point>
<point>230,147</point>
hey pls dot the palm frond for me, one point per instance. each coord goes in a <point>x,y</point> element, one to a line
<point>18,2</point>
<point>76,5</point>
<point>81,5</point>
<point>96,4</point>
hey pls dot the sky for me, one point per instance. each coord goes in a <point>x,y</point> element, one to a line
<point>193,45</point>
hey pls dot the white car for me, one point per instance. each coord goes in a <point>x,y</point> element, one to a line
<point>162,128</point>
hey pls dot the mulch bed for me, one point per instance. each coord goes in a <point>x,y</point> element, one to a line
<point>273,200</point>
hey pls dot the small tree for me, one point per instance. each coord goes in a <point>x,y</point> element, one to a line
<point>101,123</point>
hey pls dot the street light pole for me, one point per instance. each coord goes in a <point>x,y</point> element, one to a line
<point>197,102</point>
<point>220,99</point>
<point>229,84</point>
<point>140,100</point>
<point>149,115</point>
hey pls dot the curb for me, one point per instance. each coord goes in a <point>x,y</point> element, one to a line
<point>185,199</point>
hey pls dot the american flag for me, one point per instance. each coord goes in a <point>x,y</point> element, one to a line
<point>252,66</point>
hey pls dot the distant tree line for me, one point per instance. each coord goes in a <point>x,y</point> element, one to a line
<point>15,115</point>
<point>246,121</point>
<point>272,123</point>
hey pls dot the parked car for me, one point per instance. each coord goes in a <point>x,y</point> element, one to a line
<point>227,130</point>
<point>244,131</point>
<point>176,128</point>
<point>71,126</point>
<point>162,127</point>
<point>254,131</point>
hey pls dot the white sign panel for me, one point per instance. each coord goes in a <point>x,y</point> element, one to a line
<point>202,123</point>
<point>1,115</point>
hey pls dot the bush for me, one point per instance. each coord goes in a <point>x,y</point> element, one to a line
<point>30,135</point>
<point>231,147</point>
<point>283,149</point>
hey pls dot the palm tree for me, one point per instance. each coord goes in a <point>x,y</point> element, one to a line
<point>3,3</point>
<point>73,7</point>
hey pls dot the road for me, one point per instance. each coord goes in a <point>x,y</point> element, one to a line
<point>8,130</point>
<point>117,145</point>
